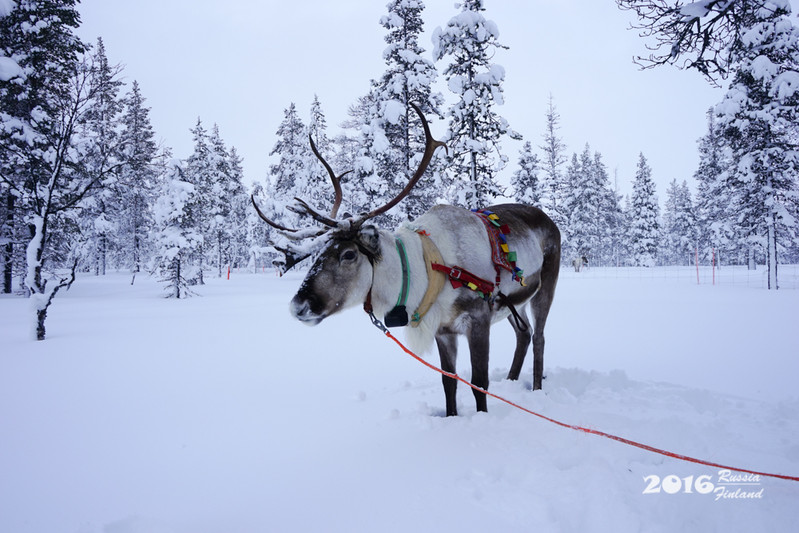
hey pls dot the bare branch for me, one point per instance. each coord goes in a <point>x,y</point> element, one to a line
<point>702,35</point>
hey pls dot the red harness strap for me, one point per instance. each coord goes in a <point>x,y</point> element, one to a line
<point>500,256</point>
<point>460,277</point>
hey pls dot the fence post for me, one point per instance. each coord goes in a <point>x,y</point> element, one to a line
<point>697,264</point>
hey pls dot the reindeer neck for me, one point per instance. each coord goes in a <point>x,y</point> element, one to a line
<point>386,275</point>
<point>387,282</point>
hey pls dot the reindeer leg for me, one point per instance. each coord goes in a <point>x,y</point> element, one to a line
<point>541,303</point>
<point>523,338</point>
<point>448,351</point>
<point>478,348</point>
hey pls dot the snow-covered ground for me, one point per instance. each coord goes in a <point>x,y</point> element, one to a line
<point>221,414</point>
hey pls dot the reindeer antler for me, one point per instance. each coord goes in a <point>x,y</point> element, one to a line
<point>268,220</point>
<point>429,148</point>
<point>296,254</point>
<point>335,179</point>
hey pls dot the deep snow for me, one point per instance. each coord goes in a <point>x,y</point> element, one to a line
<point>221,414</point>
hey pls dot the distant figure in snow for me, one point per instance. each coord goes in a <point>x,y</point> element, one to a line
<point>579,262</point>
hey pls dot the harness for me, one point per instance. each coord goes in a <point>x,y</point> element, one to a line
<point>398,315</point>
<point>437,272</point>
<point>501,256</point>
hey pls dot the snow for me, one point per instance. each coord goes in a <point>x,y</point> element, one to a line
<point>221,413</point>
<point>394,111</point>
<point>9,69</point>
<point>6,6</point>
<point>763,69</point>
<point>695,9</point>
<point>785,85</point>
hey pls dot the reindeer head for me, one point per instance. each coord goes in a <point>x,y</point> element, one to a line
<point>347,249</point>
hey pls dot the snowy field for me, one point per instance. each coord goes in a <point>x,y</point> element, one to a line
<point>221,414</point>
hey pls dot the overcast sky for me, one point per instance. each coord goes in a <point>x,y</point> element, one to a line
<point>240,63</point>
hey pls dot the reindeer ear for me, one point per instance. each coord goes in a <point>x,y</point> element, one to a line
<point>369,238</point>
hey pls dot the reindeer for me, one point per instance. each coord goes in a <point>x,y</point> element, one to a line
<point>357,263</point>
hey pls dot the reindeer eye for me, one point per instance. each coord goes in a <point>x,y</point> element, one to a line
<point>349,255</point>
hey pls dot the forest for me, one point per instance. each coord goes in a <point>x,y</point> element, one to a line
<point>85,188</point>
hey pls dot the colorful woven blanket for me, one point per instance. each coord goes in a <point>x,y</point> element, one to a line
<point>502,256</point>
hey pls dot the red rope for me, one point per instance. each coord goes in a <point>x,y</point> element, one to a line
<point>580,428</point>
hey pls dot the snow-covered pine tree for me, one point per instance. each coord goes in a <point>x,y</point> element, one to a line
<point>570,182</point>
<point>644,214</point>
<point>35,66</point>
<point>366,187</point>
<point>220,226</point>
<point>627,253</point>
<point>99,213</point>
<point>259,251</point>
<point>583,201</point>
<point>552,166</point>
<point>713,195</point>
<point>475,129</point>
<point>524,182</point>
<point>178,239</point>
<point>138,182</point>
<point>408,78</point>
<point>679,226</point>
<point>606,236</point>
<point>289,176</point>
<point>614,226</point>
<point>317,189</point>
<point>201,172</point>
<point>43,104</point>
<point>238,248</point>
<point>759,114</point>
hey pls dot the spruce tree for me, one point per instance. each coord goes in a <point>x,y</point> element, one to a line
<point>138,182</point>
<point>713,193</point>
<point>644,214</point>
<point>475,129</point>
<point>238,248</point>
<point>614,225</point>
<point>524,182</point>
<point>288,177</point>
<point>44,106</point>
<point>585,202</point>
<point>408,78</point>
<point>679,225</point>
<point>201,171</point>
<point>99,213</point>
<point>178,239</point>
<point>366,188</point>
<point>259,235</point>
<point>552,166</point>
<point>759,114</point>
<point>317,189</point>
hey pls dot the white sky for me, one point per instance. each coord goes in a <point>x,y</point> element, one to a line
<point>240,63</point>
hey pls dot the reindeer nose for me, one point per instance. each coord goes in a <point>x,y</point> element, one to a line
<point>299,307</point>
<point>301,310</point>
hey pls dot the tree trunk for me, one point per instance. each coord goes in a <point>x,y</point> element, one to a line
<point>41,315</point>
<point>176,274</point>
<point>8,253</point>
<point>33,278</point>
<point>219,253</point>
<point>772,253</point>
<point>103,253</point>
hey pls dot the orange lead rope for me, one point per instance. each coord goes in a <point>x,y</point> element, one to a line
<point>379,325</point>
